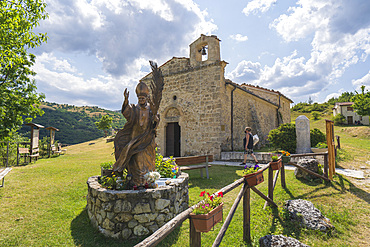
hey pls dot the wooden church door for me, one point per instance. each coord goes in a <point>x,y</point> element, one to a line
<point>173,139</point>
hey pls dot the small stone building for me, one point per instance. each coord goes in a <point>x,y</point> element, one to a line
<point>204,113</point>
<point>346,109</point>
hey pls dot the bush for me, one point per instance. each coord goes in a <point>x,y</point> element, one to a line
<point>107,165</point>
<point>316,136</point>
<point>284,137</point>
<point>315,115</point>
<point>339,119</point>
<point>166,166</point>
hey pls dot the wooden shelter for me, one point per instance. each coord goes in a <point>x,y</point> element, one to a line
<point>51,146</point>
<point>34,145</point>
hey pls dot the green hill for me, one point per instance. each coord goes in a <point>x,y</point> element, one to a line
<point>75,124</point>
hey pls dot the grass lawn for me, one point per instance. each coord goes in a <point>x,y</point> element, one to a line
<point>43,204</point>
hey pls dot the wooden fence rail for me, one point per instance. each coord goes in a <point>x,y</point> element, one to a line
<point>195,237</point>
<point>167,228</point>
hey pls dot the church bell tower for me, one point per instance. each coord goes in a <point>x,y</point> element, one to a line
<point>205,50</point>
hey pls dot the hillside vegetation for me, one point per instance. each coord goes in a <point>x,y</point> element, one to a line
<point>75,124</point>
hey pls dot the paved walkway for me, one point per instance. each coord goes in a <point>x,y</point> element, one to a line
<point>345,172</point>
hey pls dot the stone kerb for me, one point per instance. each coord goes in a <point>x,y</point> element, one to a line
<point>129,214</point>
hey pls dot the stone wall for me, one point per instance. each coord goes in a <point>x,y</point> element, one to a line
<point>254,112</point>
<point>129,214</point>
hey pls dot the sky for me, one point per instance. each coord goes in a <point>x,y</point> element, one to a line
<point>306,49</point>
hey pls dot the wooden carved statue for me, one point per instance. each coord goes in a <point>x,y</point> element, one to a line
<point>135,143</point>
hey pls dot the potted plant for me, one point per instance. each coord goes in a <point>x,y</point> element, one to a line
<point>208,212</point>
<point>285,157</point>
<point>321,147</point>
<point>253,175</point>
<point>276,163</point>
<point>106,169</point>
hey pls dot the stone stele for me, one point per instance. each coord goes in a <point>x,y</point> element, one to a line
<point>302,125</point>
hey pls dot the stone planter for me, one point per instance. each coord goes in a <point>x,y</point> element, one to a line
<point>254,178</point>
<point>131,214</point>
<point>205,222</point>
<point>319,150</point>
<point>285,159</point>
<point>276,165</point>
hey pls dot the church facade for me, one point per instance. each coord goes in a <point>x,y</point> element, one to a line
<point>203,113</point>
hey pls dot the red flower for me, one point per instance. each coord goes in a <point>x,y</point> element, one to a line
<point>208,194</point>
<point>202,193</point>
<point>211,197</point>
<point>220,194</point>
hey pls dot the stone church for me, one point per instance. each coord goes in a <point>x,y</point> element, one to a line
<point>202,112</point>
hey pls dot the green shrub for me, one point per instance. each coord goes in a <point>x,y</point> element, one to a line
<point>284,137</point>
<point>315,115</point>
<point>165,166</point>
<point>107,165</point>
<point>316,136</point>
<point>321,145</point>
<point>339,119</point>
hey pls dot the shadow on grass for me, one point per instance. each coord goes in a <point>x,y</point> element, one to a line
<point>352,188</point>
<point>339,186</point>
<point>85,235</point>
<point>290,228</point>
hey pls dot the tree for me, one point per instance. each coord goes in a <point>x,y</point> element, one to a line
<point>284,137</point>
<point>362,102</point>
<point>104,124</point>
<point>339,119</point>
<point>18,96</point>
<point>310,100</point>
<point>315,115</point>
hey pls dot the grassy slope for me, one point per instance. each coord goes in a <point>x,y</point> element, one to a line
<point>42,204</point>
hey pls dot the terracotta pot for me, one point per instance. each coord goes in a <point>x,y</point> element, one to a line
<point>254,178</point>
<point>276,165</point>
<point>205,222</point>
<point>285,159</point>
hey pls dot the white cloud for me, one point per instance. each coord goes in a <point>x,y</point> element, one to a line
<point>245,71</point>
<point>365,80</point>
<point>332,95</point>
<point>119,32</point>
<point>256,6</point>
<point>340,34</point>
<point>121,36</point>
<point>238,37</point>
<point>62,86</point>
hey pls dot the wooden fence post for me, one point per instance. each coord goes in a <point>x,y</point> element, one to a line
<point>247,216</point>
<point>195,237</point>
<point>283,176</point>
<point>18,154</point>
<point>271,184</point>
<point>326,165</point>
<point>330,143</point>
<point>338,141</point>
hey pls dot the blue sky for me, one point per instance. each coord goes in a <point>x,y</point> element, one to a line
<point>306,48</point>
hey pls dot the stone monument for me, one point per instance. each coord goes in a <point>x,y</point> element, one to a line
<point>302,125</point>
<point>135,144</point>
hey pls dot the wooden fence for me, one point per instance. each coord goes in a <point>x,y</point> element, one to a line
<point>195,237</point>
